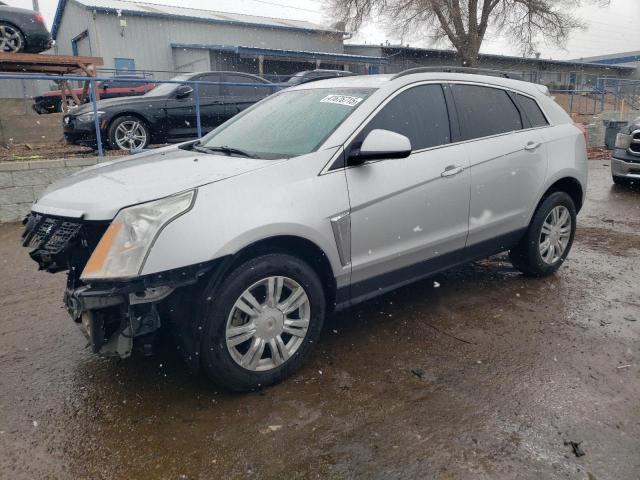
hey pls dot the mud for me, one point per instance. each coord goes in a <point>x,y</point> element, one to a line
<point>487,375</point>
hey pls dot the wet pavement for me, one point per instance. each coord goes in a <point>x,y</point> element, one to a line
<point>485,374</point>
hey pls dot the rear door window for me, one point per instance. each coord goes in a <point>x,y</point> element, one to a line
<point>259,88</point>
<point>485,111</point>
<point>419,113</point>
<point>532,111</point>
<point>209,90</point>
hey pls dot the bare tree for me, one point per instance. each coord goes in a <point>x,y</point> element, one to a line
<point>464,23</point>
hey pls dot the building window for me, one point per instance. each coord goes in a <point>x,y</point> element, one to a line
<point>124,65</point>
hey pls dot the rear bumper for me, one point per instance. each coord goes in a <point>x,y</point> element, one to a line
<point>37,40</point>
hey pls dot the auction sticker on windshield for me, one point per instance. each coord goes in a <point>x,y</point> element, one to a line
<point>347,100</point>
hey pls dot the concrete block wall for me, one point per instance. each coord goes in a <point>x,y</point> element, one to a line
<point>20,124</point>
<point>21,183</point>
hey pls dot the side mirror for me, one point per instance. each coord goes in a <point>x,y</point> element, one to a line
<point>380,145</point>
<point>183,91</point>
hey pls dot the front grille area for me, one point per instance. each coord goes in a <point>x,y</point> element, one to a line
<point>48,233</point>
<point>59,243</point>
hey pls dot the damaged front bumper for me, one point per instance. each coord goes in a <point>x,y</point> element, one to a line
<point>114,317</point>
<point>118,316</point>
<point>122,316</point>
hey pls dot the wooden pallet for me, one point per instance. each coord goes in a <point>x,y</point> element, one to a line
<point>49,64</point>
<point>54,65</point>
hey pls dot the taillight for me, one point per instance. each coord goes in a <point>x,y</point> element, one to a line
<point>584,131</point>
<point>39,18</point>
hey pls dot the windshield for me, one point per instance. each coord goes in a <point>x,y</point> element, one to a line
<point>165,89</point>
<point>288,124</point>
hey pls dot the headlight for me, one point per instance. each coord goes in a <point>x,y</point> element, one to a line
<point>623,141</point>
<point>87,117</point>
<point>123,248</point>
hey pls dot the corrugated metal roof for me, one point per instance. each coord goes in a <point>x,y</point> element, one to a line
<point>275,52</point>
<point>152,9</point>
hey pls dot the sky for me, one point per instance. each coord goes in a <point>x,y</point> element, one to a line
<point>611,29</point>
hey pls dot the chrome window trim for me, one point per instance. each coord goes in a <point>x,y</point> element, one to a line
<point>327,168</point>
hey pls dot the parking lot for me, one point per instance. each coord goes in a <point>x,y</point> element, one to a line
<point>476,373</point>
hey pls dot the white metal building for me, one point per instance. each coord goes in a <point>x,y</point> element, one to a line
<point>143,36</point>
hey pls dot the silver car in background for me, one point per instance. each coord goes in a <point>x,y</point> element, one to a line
<point>625,161</point>
<point>314,199</point>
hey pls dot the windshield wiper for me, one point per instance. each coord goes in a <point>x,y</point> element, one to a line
<point>223,149</point>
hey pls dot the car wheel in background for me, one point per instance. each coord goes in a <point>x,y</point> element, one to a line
<point>626,182</point>
<point>11,39</point>
<point>66,105</point>
<point>549,237</point>
<point>262,322</point>
<point>129,133</point>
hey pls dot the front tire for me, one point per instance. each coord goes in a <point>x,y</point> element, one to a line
<point>624,181</point>
<point>549,237</point>
<point>262,323</point>
<point>129,133</point>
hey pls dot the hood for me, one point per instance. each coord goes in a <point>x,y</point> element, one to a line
<point>99,192</point>
<point>117,102</point>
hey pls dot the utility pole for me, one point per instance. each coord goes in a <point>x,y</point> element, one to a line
<point>36,7</point>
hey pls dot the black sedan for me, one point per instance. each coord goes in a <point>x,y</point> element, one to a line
<point>313,75</point>
<point>167,113</point>
<point>23,31</point>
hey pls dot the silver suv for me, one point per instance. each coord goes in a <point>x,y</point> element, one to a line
<point>314,199</point>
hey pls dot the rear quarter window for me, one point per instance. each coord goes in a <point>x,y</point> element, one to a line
<point>532,111</point>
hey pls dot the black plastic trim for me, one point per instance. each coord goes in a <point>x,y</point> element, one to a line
<point>373,287</point>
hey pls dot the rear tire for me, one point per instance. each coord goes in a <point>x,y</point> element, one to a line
<point>235,327</point>
<point>11,39</point>
<point>549,237</point>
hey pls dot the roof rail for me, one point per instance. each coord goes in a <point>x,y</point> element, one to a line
<point>469,70</point>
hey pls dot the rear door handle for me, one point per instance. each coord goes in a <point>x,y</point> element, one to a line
<point>452,170</point>
<point>531,146</point>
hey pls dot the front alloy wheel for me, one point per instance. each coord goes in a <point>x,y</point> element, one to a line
<point>261,322</point>
<point>268,323</point>
<point>11,39</point>
<point>131,135</point>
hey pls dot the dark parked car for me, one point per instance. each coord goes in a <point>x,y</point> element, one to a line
<point>167,113</point>
<point>50,102</point>
<point>23,31</point>
<point>313,75</point>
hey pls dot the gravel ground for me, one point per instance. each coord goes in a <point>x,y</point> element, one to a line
<point>484,375</point>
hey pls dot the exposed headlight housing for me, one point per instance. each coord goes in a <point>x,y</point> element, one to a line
<point>123,248</point>
<point>623,141</point>
<point>88,117</point>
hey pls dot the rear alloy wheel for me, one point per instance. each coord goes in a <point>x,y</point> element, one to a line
<point>262,322</point>
<point>129,133</point>
<point>11,39</point>
<point>549,237</point>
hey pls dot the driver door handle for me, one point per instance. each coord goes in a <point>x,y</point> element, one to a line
<point>452,170</point>
<point>531,146</point>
